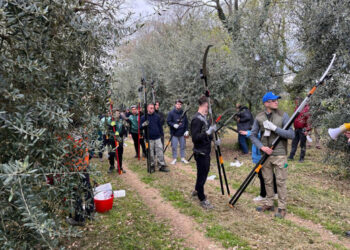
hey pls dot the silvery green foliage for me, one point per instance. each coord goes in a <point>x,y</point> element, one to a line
<point>324,30</point>
<point>53,81</point>
<point>248,57</point>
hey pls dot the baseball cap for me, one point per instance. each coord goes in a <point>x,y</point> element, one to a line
<point>270,96</point>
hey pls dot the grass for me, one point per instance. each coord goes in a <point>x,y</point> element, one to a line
<point>337,246</point>
<point>178,199</point>
<point>293,225</point>
<point>227,239</point>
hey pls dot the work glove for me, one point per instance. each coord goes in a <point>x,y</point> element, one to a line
<point>176,126</point>
<point>186,134</point>
<point>211,129</point>
<point>269,125</point>
<point>145,123</point>
<point>217,142</point>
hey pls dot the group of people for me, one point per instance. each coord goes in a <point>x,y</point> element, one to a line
<point>261,131</point>
<point>117,125</point>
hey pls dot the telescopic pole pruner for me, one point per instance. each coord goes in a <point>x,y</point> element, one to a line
<point>144,84</point>
<point>219,159</point>
<point>153,93</point>
<point>138,121</point>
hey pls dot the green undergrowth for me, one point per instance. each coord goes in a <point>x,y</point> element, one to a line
<point>295,226</point>
<point>227,239</point>
<point>337,246</point>
<point>313,215</point>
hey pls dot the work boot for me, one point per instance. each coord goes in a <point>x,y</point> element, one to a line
<point>290,158</point>
<point>347,233</point>
<point>281,213</point>
<point>264,208</point>
<point>206,204</point>
<point>152,169</point>
<point>194,193</point>
<point>164,169</point>
<point>301,160</point>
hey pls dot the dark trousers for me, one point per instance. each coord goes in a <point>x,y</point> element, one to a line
<point>262,184</point>
<point>299,136</point>
<point>135,137</point>
<point>102,146</point>
<point>84,190</point>
<point>242,140</point>
<point>203,167</point>
<point>112,157</point>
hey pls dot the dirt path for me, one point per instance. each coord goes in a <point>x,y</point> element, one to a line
<point>325,234</point>
<point>182,225</point>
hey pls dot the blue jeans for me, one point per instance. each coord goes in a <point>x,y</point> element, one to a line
<point>174,143</point>
<point>242,139</point>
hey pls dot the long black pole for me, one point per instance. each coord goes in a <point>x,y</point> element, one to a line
<point>153,93</point>
<point>143,82</point>
<point>219,159</point>
<point>263,159</point>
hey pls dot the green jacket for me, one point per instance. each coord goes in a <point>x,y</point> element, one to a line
<point>133,120</point>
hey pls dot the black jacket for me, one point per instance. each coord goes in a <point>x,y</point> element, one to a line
<point>201,141</point>
<point>245,119</point>
<point>155,128</point>
<point>173,118</point>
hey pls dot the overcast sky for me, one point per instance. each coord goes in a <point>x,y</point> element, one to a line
<point>140,7</point>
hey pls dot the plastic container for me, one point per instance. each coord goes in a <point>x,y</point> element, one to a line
<point>102,206</point>
<point>119,193</point>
